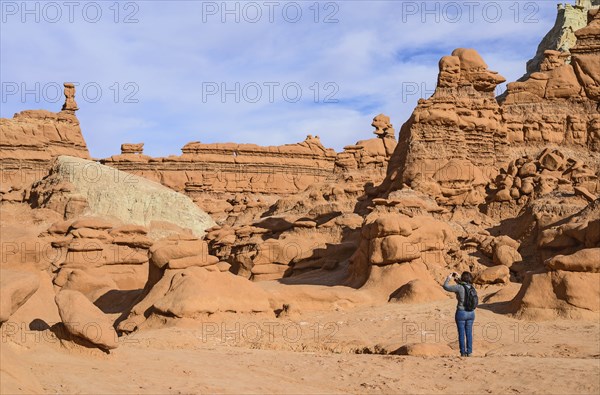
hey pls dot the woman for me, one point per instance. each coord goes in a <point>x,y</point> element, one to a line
<point>464,319</point>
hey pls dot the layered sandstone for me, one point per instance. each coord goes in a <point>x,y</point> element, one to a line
<point>315,229</point>
<point>561,37</point>
<point>185,281</point>
<point>252,169</point>
<point>453,141</point>
<point>31,139</point>
<point>368,159</point>
<point>456,141</point>
<point>558,105</point>
<point>15,288</point>
<point>568,285</point>
<point>237,182</point>
<point>532,177</point>
<point>472,184</point>
<point>232,168</point>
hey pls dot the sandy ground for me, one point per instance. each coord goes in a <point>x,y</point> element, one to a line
<point>346,351</point>
<point>325,352</point>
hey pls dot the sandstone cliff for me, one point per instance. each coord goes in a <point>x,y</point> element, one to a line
<point>456,141</point>
<point>31,139</point>
<point>453,141</point>
<point>561,37</point>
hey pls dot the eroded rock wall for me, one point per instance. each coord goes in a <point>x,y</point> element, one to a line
<point>457,140</point>
<point>454,140</point>
<point>32,139</point>
<point>561,37</point>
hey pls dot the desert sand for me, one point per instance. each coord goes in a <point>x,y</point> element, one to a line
<point>348,354</point>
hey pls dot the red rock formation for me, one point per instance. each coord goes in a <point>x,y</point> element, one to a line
<point>228,168</point>
<point>31,139</point>
<point>569,284</point>
<point>70,103</point>
<point>585,56</point>
<point>233,168</point>
<point>368,159</point>
<point>132,149</point>
<point>559,104</point>
<point>238,182</point>
<point>528,178</point>
<point>302,214</point>
<point>561,37</point>
<point>455,139</point>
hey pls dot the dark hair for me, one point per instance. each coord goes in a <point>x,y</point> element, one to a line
<point>466,277</point>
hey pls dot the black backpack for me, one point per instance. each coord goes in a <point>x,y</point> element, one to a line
<point>471,298</point>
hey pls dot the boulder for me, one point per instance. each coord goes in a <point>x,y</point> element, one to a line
<point>499,274</point>
<point>166,250</point>
<point>91,286</point>
<point>418,291</point>
<point>196,291</point>
<point>388,225</point>
<point>584,260</point>
<point>15,289</point>
<point>112,193</point>
<point>83,319</point>
<point>558,293</point>
<point>391,249</point>
<point>506,255</point>
<point>506,240</point>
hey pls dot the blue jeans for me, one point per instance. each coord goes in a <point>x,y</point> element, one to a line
<point>464,323</point>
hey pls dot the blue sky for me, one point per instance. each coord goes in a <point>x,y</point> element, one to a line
<point>155,71</point>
